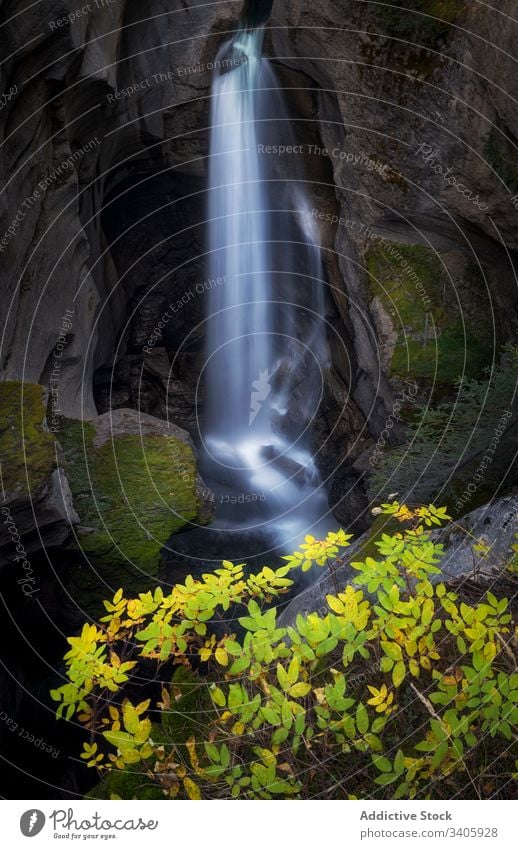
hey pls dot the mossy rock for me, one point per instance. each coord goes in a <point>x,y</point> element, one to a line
<point>437,339</point>
<point>26,447</point>
<point>131,491</point>
<point>191,707</point>
<point>125,784</point>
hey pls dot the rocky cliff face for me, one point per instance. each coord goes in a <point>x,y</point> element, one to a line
<point>408,137</point>
<point>422,146</point>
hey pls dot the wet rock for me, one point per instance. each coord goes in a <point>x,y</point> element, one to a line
<point>495,526</point>
<point>299,473</point>
<point>134,482</point>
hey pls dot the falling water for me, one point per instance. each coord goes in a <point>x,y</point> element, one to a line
<point>266,342</point>
<point>240,307</point>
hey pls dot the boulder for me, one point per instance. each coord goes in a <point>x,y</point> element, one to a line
<point>111,490</point>
<point>135,482</point>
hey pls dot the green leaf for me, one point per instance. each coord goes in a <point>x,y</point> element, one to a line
<point>386,778</point>
<point>286,715</point>
<point>399,763</point>
<point>254,609</point>
<point>299,690</point>
<point>392,650</point>
<point>225,756</point>
<point>235,696</point>
<point>248,623</point>
<point>461,645</point>
<point>283,677</point>
<point>233,648</point>
<point>280,735</point>
<point>382,763</point>
<point>239,665</point>
<point>362,719</point>
<point>294,670</point>
<point>440,754</point>
<point>212,752</point>
<point>218,696</point>
<point>398,674</point>
<point>270,716</point>
<point>386,664</point>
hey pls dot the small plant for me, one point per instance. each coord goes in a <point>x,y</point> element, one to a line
<point>283,713</point>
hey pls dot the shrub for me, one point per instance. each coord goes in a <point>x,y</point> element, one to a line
<point>397,689</point>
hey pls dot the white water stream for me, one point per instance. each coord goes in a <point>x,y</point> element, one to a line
<point>266,345</point>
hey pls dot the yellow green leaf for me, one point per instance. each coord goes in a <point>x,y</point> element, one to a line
<point>221,656</point>
<point>335,604</point>
<point>192,789</point>
<point>299,690</point>
<point>398,674</point>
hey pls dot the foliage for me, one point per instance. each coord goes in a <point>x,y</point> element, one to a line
<point>396,689</point>
<point>442,440</point>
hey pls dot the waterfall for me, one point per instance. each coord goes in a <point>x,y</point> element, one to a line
<point>266,342</point>
<point>238,338</point>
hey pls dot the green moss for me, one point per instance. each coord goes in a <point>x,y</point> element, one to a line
<point>126,784</point>
<point>499,160</point>
<point>191,707</point>
<point>131,494</point>
<point>191,710</point>
<point>26,448</point>
<point>421,359</point>
<point>438,339</point>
